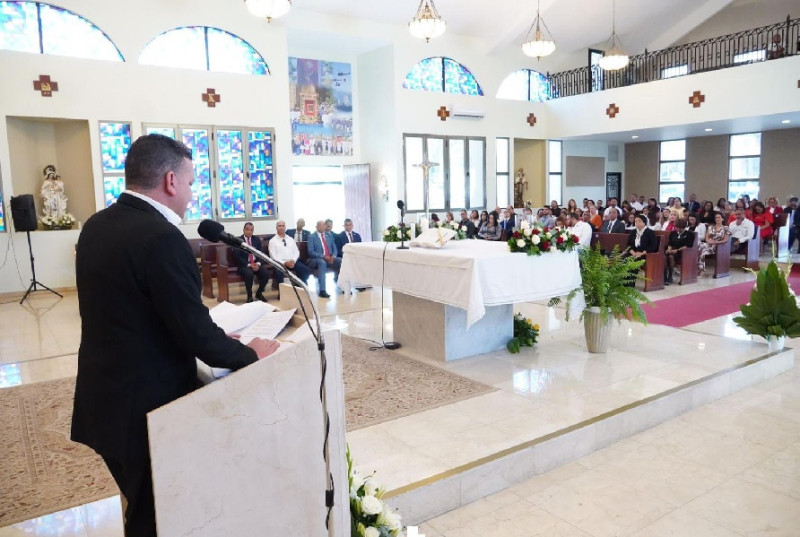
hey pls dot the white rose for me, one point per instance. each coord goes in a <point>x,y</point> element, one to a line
<point>371,505</point>
<point>524,225</point>
<point>385,232</point>
<point>527,232</point>
<point>372,532</point>
<point>520,243</point>
<point>553,249</point>
<point>391,519</point>
<point>371,487</point>
<point>535,239</point>
<point>399,234</point>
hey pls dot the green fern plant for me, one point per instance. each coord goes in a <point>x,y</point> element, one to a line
<point>607,284</point>
<point>773,309</point>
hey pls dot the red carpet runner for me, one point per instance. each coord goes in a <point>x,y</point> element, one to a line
<point>693,308</point>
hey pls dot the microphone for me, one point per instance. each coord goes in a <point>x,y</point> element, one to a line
<point>402,206</point>
<point>215,232</point>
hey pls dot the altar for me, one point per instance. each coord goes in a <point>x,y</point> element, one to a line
<point>457,301</point>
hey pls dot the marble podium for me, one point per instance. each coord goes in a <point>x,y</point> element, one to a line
<point>457,301</point>
<point>243,455</point>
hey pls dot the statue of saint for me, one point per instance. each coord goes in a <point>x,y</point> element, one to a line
<point>53,198</point>
<point>520,185</point>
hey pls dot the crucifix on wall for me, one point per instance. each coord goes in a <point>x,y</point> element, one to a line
<point>426,166</point>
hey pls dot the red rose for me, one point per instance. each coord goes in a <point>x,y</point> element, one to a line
<point>517,235</point>
<point>560,239</point>
<point>575,238</point>
<point>545,245</point>
<point>535,231</point>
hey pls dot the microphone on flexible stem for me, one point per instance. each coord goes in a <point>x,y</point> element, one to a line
<point>402,207</point>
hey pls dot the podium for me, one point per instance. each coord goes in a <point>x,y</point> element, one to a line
<point>243,455</point>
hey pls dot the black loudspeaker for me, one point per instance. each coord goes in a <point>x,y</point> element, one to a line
<point>23,212</point>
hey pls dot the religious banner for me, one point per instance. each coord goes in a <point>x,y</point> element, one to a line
<point>321,107</point>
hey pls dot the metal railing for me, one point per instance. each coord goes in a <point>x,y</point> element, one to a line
<point>731,50</point>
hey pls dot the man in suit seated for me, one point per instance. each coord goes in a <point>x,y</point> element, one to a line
<point>249,267</point>
<point>299,234</point>
<point>323,257</point>
<point>612,223</point>
<point>468,225</point>
<point>345,237</point>
<point>283,249</point>
<point>793,221</point>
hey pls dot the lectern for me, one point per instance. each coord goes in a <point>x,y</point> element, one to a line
<point>243,455</point>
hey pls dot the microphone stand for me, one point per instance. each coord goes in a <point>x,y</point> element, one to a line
<point>323,396</point>
<point>402,229</point>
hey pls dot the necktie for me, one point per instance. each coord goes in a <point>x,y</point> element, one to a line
<point>251,259</point>
<point>324,243</point>
<point>349,237</point>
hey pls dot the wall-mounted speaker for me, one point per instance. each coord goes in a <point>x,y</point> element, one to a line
<point>23,213</point>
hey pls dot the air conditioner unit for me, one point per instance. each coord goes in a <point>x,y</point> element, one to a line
<point>458,111</point>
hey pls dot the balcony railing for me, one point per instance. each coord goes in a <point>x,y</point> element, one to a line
<point>732,50</point>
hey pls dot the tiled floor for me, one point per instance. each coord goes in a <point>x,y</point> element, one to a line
<point>730,468</point>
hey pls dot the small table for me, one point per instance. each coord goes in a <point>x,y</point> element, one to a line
<point>457,301</point>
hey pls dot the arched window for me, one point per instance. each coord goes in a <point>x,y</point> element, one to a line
<point>442,75</point>
<point>203,48</point>
<point>44,29</point>
<point>525,85</point>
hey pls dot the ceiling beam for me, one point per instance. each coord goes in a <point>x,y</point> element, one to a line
<point>705,11</point>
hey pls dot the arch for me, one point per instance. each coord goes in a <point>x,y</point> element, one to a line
<point>205,48</point>
<point>525,85</point>
<point>44,29</point>
<point>442,74</point>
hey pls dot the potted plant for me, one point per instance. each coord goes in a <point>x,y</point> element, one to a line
<point>772,312</point>
<point>608,293</point>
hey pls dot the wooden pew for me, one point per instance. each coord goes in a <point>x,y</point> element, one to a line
<point>752,253</point>
<point>609,240</point>
<point>689,257</point>
<point>722,260</point>
<point>208,266</point>
<point>654,266</point>
<point>227,271</point>
<point>196,244</point>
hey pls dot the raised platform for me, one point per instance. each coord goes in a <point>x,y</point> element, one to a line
<point>560,404</point>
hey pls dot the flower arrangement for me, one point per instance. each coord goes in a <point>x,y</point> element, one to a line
<point>393,233</point>
<point>369,516</point>
<point>461,231</point>
<point>65,221</point>
<point>525,334</point>
<point>534,239</point>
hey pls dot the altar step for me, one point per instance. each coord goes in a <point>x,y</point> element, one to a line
<point>438,494</point>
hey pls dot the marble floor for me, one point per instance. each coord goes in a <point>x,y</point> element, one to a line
<point>729,468</point>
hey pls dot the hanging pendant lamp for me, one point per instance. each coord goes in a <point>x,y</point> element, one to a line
<point>537,43</point>
<point>269,9</point>
<point>614,58</point>
<point>427,23</point>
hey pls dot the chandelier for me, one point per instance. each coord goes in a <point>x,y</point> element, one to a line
<point>537,43</point>
<point>427,23</point>
<point>270,9</point>
<point>614,58</point>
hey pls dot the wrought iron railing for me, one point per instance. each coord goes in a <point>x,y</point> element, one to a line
<point>731,50</point>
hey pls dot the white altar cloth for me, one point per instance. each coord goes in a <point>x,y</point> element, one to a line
<point>468,274</point>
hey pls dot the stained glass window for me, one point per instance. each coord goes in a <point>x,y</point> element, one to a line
<point>115,141</point>
<point>203,48</point>
<point>2,216</point>
<point>262,179</point>
<point>200,205</point>
<point>62,32</point>
<point>164,131</point>
<point>525,85</point>
<point>442,75</point>
<point>231,174</point>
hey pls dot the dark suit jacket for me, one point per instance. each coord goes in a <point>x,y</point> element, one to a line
<point>471,231</point>
<point>692,207</point>
<point>143,323</point>
<point>340,239</point>
<point>678,241</point>
<point>508,225</point>
<point>305,234</point>
<point>789,222</point>
<point>618,227</point>
<point>649,242</point>
<point>241,256</point>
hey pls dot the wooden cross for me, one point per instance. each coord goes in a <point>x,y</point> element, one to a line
<point>531,120</point>
<point>45,85</point>
<point>697,99</point>
<point>211,98</point>
<point>612,110</point>
<point>443,113</point>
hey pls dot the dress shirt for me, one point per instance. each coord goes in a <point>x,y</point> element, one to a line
<point>584,233</point>
<point>171,216</point>
<point>283,252</point>
<point>608,210</point>
<point>637,206</point>
<point>547,221</point>
<point>742,232</point>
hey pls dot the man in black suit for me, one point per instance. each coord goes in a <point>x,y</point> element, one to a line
<point>346,237</point>
<point>611,222</point>
<point>793,221</point>
<point>469,227</point>
<point>142,320</point>
<point>692,206</point>
<point>249,267</point>
<point>299,234</point>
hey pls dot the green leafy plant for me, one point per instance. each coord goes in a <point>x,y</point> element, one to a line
<point>607,284</point>
<point>369,515</point>
<point>525,334</point>
<point>772,310</point>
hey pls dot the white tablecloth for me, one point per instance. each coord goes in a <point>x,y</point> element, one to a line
<point>469,274</point>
